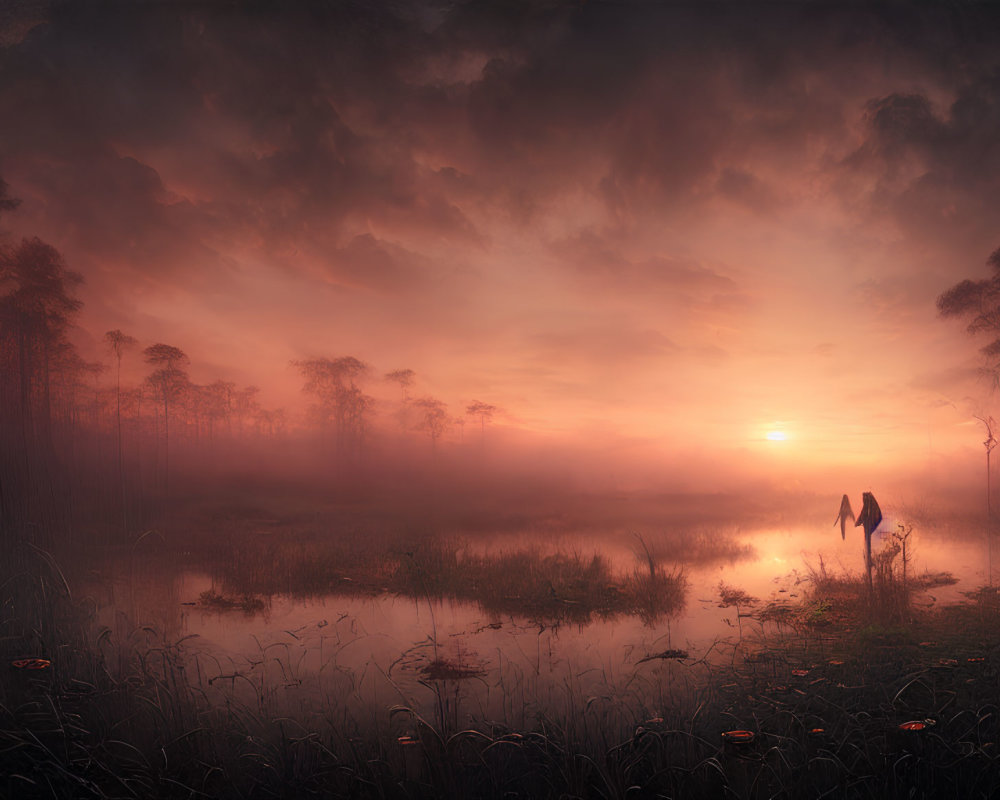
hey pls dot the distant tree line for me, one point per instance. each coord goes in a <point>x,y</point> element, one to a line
<point>66,424</point>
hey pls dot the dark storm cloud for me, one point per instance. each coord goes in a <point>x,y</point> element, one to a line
<point>18,17</point>
<point>670,93</point>
<point>309,115</point>
<point>937,168</point>
<point>117,211</point>
<point>241,115</point>
<point>389,174</point>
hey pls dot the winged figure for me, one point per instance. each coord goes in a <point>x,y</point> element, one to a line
<point>845,514</point>
<point>869,518</point>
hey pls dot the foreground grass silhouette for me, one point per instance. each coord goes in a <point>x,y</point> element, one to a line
<point>823,688</point>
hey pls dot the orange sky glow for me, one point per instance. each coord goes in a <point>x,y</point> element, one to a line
<point>652,232</point>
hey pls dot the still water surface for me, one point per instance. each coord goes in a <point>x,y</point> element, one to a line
<point>297,653</point>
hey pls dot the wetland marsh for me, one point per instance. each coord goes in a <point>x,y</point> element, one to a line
<point>418,400</point>
<point>256,654</point>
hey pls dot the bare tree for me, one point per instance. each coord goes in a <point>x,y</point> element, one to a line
<point>197,404</point>
<point>168,382</point>
<point>485,412</point>
<point>36,310</point>
<point>245,405</point>
<point>979,301</point>
<point>94,370</point>
<point>118,343</point>
<point>68,387</point>
<point>223,402</point>
<point>434,419</point>
<point>270,422</point>
<point>37,307</point>
<point>405,378</point>
<point>335,385</point>
<point>214,404</point>
<point>989,443</point>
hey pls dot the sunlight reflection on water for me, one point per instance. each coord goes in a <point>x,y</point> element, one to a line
<point>306,648</point>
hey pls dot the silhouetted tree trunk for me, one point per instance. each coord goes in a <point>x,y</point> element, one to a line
<point>118,343</point>
<point>36,310</point>
<point>169,381</point>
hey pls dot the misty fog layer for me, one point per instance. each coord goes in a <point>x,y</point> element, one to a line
<point>456,399</point>
<point>646,237</point>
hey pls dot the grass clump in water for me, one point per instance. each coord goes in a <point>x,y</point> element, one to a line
<point>247,603</point>
<point>551,587</point>
<point>844,598</point>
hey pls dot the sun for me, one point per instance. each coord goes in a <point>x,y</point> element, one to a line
<point>776,436</point>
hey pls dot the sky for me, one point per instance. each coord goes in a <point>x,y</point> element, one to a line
<point>665,228</point>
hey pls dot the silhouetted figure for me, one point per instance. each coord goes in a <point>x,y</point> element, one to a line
<point>844,514</point>
<point>869,518</point>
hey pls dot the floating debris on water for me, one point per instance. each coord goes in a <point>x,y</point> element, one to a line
<point>31,663</point>
<point>738,738</point>
<point>917,724</point>
<point>666,654</point>
<point>444,670</point>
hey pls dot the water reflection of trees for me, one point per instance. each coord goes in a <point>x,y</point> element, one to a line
<point>560,587</point>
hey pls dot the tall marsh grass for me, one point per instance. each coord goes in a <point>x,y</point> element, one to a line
<point>553,587</point>
<point>894,585</point>
<point>136,713</point>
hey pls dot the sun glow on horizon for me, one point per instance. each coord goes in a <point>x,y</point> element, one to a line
<point>776,436</point>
